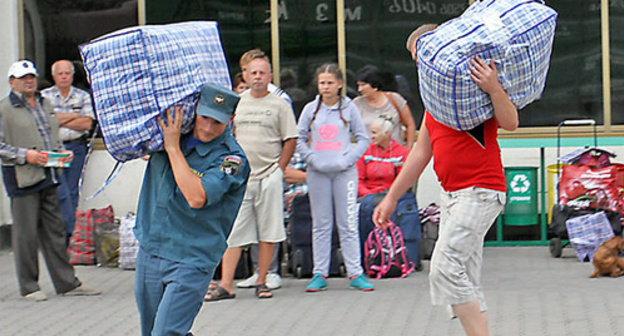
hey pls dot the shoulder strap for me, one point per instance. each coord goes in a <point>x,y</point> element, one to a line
<point>393,102</point>
<point>380,242</point>
<point>406,266</point>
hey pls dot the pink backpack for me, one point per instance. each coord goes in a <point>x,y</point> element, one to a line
<point>385,254</point>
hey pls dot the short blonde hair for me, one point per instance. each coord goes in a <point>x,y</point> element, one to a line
<point>417,33</point>
<point>250,55</point>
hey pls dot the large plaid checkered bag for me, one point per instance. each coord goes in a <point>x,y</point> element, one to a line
<point>587,232</point>
<point>517,34</point>
<point>81,249</point>
<point>136,73</point>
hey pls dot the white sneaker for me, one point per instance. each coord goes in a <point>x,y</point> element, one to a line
<point>249,282</point>
<point>37,296</point>
<point>273,281</point>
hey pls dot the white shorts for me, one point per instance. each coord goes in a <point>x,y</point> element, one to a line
<point>261,215</point>
<point>455,268</point>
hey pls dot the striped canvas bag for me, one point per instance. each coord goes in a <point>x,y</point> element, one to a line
<point>517,34</point>
<point>81,249</point>
<point>137,73</point>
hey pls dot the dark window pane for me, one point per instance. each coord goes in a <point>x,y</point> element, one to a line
<point>54,29</point>
<point>616,27</point>
<point>243,24</point>
<point>308,38</point>
<point>574,84</point>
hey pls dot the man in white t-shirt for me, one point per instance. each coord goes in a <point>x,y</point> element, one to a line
<point>274,89</point>
<point>264,126</point>
<point>274,280</point>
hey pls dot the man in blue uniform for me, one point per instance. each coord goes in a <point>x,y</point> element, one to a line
<point>190,196</point>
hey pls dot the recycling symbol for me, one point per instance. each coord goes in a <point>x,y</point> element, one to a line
<point>520,184</point>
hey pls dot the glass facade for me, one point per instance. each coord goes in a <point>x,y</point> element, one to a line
<point>307,34</point>
<point>244,24</point>
<point>616,27</point>
<point>574,84</point>
<point>375,35</point>
<point>53,30</point>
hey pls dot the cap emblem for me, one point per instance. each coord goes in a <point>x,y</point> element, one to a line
<point>219,99</point>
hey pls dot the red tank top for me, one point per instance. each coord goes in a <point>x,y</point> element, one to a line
<point>466,159</point>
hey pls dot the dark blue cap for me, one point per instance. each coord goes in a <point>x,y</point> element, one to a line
<point>217,102</point>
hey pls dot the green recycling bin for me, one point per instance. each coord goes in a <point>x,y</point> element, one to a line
<point>521,207</point>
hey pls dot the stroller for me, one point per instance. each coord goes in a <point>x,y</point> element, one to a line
<point>587,184</point>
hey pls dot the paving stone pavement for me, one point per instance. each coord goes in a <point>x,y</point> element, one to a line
<point>528,293</point>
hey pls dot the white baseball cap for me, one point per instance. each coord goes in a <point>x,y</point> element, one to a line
<point>22,68</point>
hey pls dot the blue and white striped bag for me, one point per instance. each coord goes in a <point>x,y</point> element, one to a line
<point>136,73</point>
<point>517,34</point>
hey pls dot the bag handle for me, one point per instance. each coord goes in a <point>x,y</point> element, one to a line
<point>109,179</point>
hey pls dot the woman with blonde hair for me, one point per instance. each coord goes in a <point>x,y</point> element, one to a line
<point>383,160</point>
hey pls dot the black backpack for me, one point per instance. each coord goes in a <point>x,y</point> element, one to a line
<point>430,223</point>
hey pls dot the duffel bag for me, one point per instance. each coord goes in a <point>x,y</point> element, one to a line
<point>136,73</point>
<point>81,249</point>
<point>517,34</point>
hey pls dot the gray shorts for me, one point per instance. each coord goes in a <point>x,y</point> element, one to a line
<point>455,269</point>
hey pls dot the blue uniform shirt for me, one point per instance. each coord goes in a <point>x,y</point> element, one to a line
<point>168,227</point>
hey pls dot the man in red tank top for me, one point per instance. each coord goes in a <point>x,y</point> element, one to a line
<point>468,165</point>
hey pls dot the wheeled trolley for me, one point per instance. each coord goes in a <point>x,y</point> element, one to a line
<point>559,213</point>
<point>587,184</point>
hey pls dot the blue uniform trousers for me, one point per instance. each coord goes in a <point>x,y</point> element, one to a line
<point>169,294</point>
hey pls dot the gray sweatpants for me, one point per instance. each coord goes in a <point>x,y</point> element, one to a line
<point>37,223</point>
<point>333,199</point>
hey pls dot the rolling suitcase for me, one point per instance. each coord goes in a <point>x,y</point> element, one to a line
<point>299,242</point>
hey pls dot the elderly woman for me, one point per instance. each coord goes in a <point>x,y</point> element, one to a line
<point>375,102</point>
<point>383,160</point>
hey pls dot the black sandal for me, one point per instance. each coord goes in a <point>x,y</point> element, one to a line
<point>262,291</point>
<point>219,293</point>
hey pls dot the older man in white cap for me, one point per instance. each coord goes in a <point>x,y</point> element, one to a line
<point>28,138</point>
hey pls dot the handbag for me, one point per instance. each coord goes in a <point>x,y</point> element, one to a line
<point>107,243</point>
<point>81,249</point>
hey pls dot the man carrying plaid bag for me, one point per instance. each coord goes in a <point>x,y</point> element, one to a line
<point>190,197</point>
<point>28,136</point>
<point>469,167</point>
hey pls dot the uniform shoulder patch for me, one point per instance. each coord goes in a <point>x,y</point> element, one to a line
<point>231,164</point>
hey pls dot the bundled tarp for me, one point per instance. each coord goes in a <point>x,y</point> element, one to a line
<point>517,34</point>
<point>137,73</point>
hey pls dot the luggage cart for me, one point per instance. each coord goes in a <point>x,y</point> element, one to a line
<point>560,240</point>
